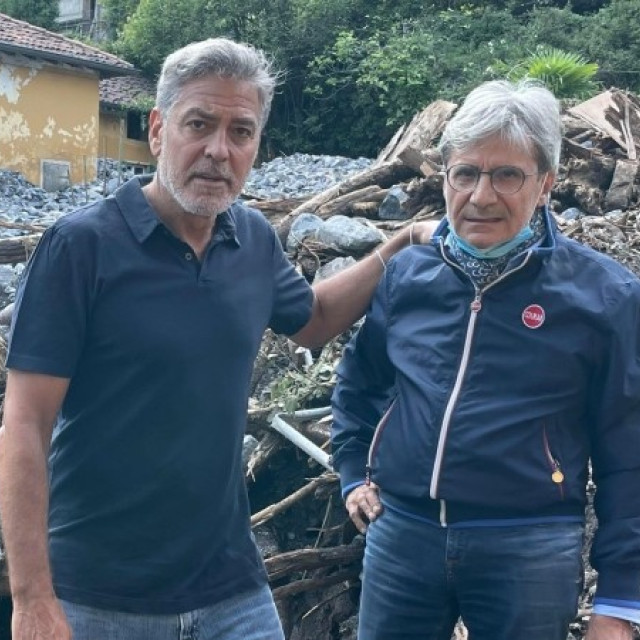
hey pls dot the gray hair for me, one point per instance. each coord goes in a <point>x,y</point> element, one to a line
<point>524,114</point>
<point>218,57</point>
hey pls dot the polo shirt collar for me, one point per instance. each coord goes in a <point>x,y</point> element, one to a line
<point>143,220</point>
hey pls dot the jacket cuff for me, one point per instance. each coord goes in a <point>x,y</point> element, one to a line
<point>352,472</point>
<point>618,586</point>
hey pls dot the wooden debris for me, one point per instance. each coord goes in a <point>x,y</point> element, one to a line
<point>342,205</point>
<point>384,176</point>
<point>269,444</point>
<point>307,559</point>
<point>15,250</point>
<point>272,510</point>
<point>314,584</point>
<point>616,114</point>
<point>412,143</point>
<point>620,193</point>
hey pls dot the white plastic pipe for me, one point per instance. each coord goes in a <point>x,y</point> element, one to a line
<point>291,434</point>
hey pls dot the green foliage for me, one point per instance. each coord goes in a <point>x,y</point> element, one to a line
<point>42,13</point>
<point>297,389</point>
<point>117,12</point>
<point>566,75</point>
<point>158,27</point>
<point>361,89</point>
<point>355,70</point>
<point>614,41</point>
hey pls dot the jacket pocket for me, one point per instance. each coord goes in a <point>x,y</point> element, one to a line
<point>375,441</point>
<point>555,467</point>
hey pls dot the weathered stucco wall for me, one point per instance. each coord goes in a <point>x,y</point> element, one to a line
<point>48,113</point>
<point>115,144</point>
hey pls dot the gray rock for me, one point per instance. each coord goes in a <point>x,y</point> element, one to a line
<point>349,235</point>
<point>304,226</point>
<point>331,268</point>
<point>391,206</point>
<point>572,214</point>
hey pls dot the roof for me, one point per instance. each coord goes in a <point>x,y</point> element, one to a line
<point>122,91</point>
<point>20,37</point>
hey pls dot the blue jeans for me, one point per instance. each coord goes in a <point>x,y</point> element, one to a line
<point>247,616</point>
<point>507,582</point>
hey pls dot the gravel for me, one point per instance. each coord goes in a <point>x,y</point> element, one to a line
<point>298,175</point>
<point>21,203</point>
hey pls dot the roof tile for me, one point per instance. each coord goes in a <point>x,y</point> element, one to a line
<point>123,90</point>
<point>19,36</point>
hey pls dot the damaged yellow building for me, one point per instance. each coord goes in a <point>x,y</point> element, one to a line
<point>50,113</point>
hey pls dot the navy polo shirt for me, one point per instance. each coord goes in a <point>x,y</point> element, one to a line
<point>148,508</point>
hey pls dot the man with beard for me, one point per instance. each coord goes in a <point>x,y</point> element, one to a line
<point>133,339</point>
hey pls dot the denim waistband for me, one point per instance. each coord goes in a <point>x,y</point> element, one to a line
<point>464,514</point>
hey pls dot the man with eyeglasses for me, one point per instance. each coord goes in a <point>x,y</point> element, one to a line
<point>493,367</point>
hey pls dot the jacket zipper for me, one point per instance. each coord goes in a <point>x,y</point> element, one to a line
<point>375,441</point>
<point>557,477</point>
<point>475,306</point>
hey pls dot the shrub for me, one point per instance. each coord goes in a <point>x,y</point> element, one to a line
<point>567,75</point>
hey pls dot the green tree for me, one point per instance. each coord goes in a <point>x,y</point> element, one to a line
<point>42,13</point>
<point>362,89</point>
<point>117,12</point>
<point>614,42</point>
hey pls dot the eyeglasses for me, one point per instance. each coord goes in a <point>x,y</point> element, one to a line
<point>505,180</point>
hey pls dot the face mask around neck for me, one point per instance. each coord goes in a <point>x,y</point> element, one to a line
<point>494,251</point>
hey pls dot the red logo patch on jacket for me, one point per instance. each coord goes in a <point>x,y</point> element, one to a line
<point>533,316</point>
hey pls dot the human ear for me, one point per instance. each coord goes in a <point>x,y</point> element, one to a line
<point>155,131</point>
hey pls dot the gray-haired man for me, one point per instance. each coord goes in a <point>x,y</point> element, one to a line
<point>133,340</point>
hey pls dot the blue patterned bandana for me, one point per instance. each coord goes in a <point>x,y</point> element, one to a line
<point>484,271</point>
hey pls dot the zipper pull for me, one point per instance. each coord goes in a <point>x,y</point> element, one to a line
<point>367,475</point>
<point>557,476</point>
<point>476,305</point>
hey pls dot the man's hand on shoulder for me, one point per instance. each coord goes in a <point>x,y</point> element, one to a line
<point>608,628</point>
<point>39,619</point>
<point>421,232</point>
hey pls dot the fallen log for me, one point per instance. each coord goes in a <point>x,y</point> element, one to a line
<point>343,204</point>
<point>274,509</point>
<point>383,176</point>
<point>282,564</point>
<point>276,209</point>
<point>19,249</point>
<point>314,584</point>
<point>411,145</point>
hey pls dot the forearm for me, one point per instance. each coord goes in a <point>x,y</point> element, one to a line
<point>342,299</point>
<point>23,508</point>
<point>608,628</point>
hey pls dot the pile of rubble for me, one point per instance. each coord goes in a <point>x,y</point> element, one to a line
<point>313,553</point>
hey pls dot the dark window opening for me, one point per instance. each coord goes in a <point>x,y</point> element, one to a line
<point>136,125</point>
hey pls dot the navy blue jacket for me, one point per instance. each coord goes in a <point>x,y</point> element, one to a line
<point>478,406</point>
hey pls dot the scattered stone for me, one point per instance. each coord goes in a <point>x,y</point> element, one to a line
<point>572,213</point>
<point>306,225</point>
<point>331,268</point>
<point>349,235</point>
<point>391,207</point>
<point>300,175</point>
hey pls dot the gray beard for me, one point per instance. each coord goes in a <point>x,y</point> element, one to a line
<point>187,204</point>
